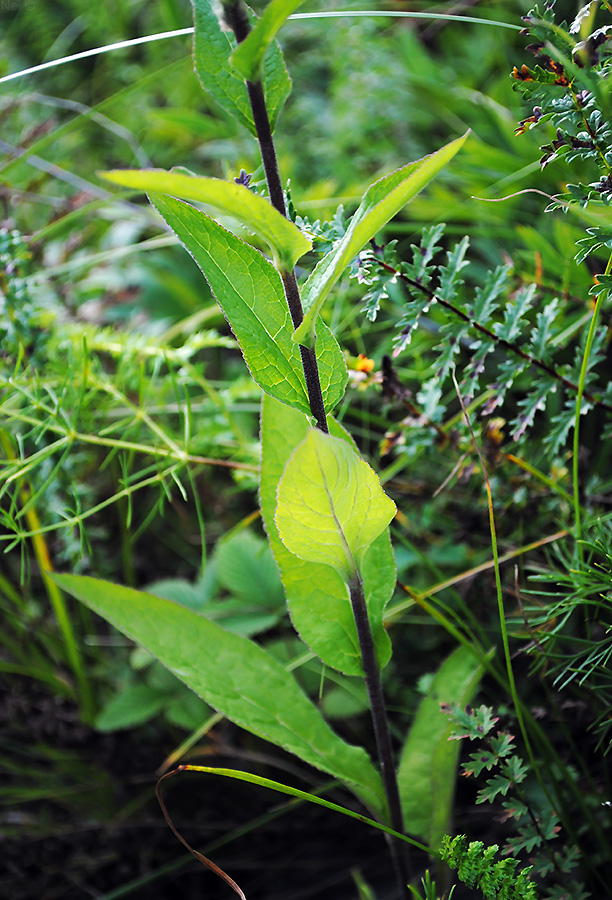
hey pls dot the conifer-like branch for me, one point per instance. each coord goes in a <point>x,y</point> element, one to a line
<point>433,297</point>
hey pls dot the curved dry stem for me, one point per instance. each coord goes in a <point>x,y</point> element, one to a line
<point>199,856</point>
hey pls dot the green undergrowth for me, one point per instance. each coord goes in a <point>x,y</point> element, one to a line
<point>462,346</point>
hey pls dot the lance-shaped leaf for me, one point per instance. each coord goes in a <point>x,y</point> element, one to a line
<point>250,293</point>
<point>317,597</point>
<point>234,675</point>
<point>212,49</point>
<point>248,56</point>
<point>331,506</point>
<point>380,203</point>
<point>428,766</point>
<point>286,242</point>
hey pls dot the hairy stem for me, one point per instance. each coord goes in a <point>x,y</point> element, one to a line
<point>237,19</point>
<point>381,730</point>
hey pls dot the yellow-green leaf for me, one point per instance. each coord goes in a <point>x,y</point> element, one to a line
<point>286,242</point>
<point>317,598</point>
<point>380,203</point>
<point>331,506</point>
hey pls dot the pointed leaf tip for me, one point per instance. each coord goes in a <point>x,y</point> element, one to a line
<point>380,203</point>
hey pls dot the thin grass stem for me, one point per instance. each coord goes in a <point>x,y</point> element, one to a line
<point>580,393</point>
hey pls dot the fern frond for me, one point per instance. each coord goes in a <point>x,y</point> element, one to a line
<point>476,867</point>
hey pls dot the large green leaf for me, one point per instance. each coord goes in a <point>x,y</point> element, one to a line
<point>428,767</point>
<point>234,675</point>
<point>380,203</point>
<point>212,49</point>
<point>286,242</point>
<point>250,293</point>
<point>331,506</point>
<point>248,56</point>
<point>317,597</point>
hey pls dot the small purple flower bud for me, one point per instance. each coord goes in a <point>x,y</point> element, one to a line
<point>243,178</point>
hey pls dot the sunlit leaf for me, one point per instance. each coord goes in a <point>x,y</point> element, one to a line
<point>331,506</point>
<point>234,675</point>
<point>286,242</point>
<point>317,597</point>
<point>380,203</point>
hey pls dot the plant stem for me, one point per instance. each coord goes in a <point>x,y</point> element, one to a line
<point>579,395</point>
<point>84,689</point>
<point>239,23</point>
<point>381,730</point>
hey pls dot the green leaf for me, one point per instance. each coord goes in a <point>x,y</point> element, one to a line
<point>235,676</point>
<point>132,706</point>
<point>317,597</point>
<point>192,596</point>
<point>427,770</point>
<point>331,506</point>
<point>242,616</point>
<point>187,711</point>
<point>286,242</point>
<point>380,203</point>
<point>276,83</point>
<point>212,49</point>
<point>250,293</point>
<point>248,56</point>
<point>245,566</point>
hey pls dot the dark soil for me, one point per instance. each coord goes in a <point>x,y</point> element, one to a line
<point>82,820</point>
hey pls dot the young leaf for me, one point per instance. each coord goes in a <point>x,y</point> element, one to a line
<point>331,506</point>
<point>250,293</point>
<point>427,770</point>
<point>132,706</point>
<point>380,203</point>
<point>317,597</point>
<point>212,49</point>
<point>234,675</point>
<point>245,567</point>
<point>286,242</point>
<point>248,56</point>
